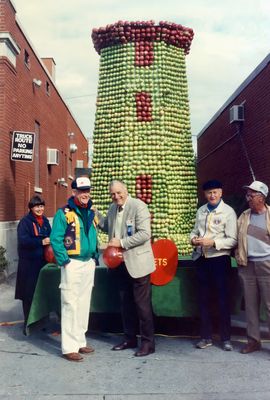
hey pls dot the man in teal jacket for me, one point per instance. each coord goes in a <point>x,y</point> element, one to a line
<point>74,242</point>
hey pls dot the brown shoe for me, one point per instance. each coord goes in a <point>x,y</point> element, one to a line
<point>129,344</point>
<point>73,357</point>
<point>145,350</point>
<point>252,345</point>
<point>86,350</point>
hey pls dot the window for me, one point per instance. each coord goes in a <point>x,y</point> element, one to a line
<point>27,59</point>
<point>48,88</point>
<point>70,170</point>
<point>64,166</point>
<point>8,48</point>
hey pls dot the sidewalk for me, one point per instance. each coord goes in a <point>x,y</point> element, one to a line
<point>32,367</point>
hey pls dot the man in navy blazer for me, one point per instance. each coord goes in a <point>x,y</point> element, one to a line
<point>128,226</point>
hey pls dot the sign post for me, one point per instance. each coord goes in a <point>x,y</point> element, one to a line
<point>22,148</point>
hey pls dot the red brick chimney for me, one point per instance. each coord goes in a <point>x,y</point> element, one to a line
<point>50,65</point>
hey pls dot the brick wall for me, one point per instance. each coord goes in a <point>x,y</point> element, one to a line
<point>220,153</point>
<point>22,104</point>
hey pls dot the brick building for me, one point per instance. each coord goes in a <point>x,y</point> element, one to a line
<point>31,102</point>
<point>236,151</point>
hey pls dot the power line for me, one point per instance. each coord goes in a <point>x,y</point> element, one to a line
<point>77,97</point>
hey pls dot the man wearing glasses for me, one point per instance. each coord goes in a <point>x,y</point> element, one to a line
<point>253,258</point>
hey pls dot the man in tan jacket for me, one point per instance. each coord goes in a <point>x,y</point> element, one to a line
<point>128,225</point>
<point>253,258</point>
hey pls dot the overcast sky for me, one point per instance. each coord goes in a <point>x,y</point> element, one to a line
<point>231,38</point>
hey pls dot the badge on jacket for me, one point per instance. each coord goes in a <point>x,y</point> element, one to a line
<point>129,227</point>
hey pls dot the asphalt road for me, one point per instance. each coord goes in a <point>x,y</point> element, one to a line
<point>32,367</point>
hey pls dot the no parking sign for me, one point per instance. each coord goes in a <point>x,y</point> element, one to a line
<point>22,148</point>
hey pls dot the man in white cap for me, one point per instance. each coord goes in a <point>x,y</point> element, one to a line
<point>74,242</point>
<point>253,258</point>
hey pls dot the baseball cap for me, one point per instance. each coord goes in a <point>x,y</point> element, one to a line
<point>258,186</point>
<point>81,183</point>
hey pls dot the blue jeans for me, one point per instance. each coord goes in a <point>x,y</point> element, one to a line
<point>213,274</point>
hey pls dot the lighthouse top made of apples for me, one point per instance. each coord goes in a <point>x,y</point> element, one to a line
<point>142,132</point>
<point>123,32</point>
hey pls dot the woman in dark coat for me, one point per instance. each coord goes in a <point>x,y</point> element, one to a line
<point>33,234</point>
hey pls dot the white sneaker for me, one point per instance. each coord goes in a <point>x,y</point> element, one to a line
<point>203,343</point>
<point>227,346</point>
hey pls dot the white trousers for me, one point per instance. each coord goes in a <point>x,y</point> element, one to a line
<point>77,280</point>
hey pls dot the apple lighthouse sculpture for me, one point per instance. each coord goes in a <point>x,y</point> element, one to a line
<point>142,129</point>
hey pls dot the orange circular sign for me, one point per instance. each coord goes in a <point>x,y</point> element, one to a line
<point>166,261</point>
